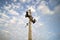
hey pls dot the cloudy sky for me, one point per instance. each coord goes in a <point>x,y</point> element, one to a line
<point>13,21</point>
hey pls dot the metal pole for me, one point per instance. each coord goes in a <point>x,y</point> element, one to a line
<point>31,20</point>
<point>30,31</point>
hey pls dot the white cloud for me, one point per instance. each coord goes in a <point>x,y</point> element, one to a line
<point>13,20</point>
<point>7,7</point>
<point>10,8</point>
<point>32,8</point>
<point>5,31</point>
<point>14,6</point>
<point>4,18</point>
<point>40,25</point>
<point>13,12</point>
<point>23,1</point>
<point>44,8</point>
<point>14,0</point>
<point>36,17</point>
<point>16,20</point>
<point>5,35</point>
<point>4,15</point>
<point>57,9</point>
<point>20,21</point>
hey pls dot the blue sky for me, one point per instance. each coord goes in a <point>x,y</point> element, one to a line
<point>13,21</point>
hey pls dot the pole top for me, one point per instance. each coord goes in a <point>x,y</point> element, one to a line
<point>29,15</point>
